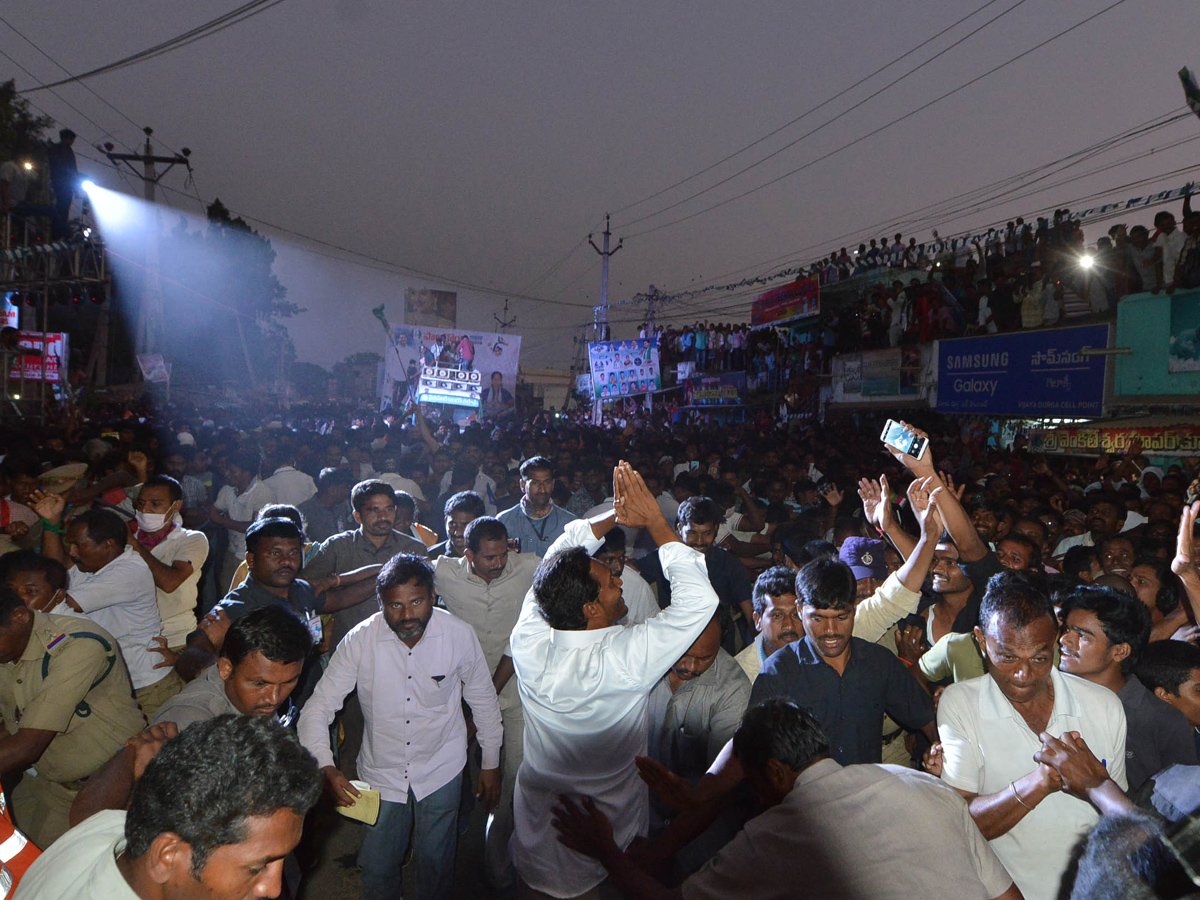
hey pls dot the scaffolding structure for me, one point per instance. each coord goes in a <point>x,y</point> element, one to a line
<point>34,273</point>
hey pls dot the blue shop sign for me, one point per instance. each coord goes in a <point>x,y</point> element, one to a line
<point>1028,373</point>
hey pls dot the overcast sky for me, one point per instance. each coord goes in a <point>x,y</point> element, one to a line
<point>482,141</point>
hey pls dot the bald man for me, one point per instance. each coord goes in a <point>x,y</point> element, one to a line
<point>696,707</point>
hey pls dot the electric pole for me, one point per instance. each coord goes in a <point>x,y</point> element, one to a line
<point>505,323</point>
<point>600,318</point>
<point>149,329</point>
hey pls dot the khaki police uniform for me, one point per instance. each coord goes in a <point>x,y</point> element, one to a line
<point>70,680</point>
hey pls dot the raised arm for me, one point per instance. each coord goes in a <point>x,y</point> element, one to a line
<point>877,504</point>
<point>1186,563</point>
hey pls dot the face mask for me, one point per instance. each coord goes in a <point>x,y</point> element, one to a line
<point>151,522</point>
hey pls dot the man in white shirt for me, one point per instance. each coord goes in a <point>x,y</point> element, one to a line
<point>992,727</point>
<point>1105,518</point>
<point>234,510</point>
<point>584,682</point>
<point>485,588</point>
<point>287,483</point>
<point>1168,245</point>
<point>174,554</point>
<point>109,583</point>
<point>413,665</point>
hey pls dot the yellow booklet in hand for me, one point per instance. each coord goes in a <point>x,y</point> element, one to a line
<point>366,808</point>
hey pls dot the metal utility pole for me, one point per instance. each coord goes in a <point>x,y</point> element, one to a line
<point>600,319</point>
<point>505,323</point>
<point>149,329</point>
<point>651,301</point>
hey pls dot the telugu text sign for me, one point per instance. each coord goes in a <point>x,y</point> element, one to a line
<point>1033,373</point>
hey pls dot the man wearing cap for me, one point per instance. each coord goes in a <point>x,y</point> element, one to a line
<point>67,706</point>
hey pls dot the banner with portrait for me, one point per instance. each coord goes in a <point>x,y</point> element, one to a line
<point>434,309</point>
<point>415,354</point>
<point>624,368</point>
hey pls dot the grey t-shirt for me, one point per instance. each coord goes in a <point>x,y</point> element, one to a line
<point>199,701</point>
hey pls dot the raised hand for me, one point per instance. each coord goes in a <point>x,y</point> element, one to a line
<point>923,466</point>
<point>956,490</point>
<point>872,495</point>
<point>48,505</point>
<point>633,503</point>
<point>922,496</point>
<point>1186,564</point>
<point>832,495</point>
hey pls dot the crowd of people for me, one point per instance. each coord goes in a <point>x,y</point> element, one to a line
<point>662,660</point>
<point>1021,276</point>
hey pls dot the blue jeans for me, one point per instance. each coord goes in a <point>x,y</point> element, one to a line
<point>435,839</point>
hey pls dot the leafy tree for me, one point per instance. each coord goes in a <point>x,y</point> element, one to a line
<point>21,132</point>
<point>310,381</point>
<point>224,305</point>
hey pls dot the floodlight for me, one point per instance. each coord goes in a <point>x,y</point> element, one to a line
<point>87,184</point>
<point>1086,262</point>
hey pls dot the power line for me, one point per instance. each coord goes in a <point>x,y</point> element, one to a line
<point>209,28</point>
<point>882,128</point>
<point>804,114</point>
<point>104,132</point>
<point>904,221</point>
<point>829,122</point>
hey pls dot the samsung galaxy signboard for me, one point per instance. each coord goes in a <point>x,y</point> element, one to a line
<point>1025,373</point>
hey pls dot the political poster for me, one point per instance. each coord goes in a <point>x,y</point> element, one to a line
<point>154,369</point>
<point>794,300</point>
<point>411,350</point>
<point>1184,354</point>
<point>1028,373</point>
<point>429,308</point>
<point>721,389</point>
<point>624,368</point>
<point>45,353</point>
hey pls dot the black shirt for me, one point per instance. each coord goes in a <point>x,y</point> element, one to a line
<point>726,573</point>
<point>850,706</point>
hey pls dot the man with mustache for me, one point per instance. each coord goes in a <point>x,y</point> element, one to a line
<point>412,665</point>
<point>352,559</point>
<point>776,617</point>
<point>696,707</point>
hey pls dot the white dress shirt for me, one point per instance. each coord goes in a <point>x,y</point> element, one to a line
<point>178,607</point>
<point>415,735</point>
<point>121,599</point>
<point>242,508</point>
<point>290,485</point>
<point>584,694</point>
<point>986,746</point>
<point>639,598</point>
<point>491,609</point>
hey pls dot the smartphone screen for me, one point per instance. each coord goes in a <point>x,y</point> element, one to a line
<point>895,435</point>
